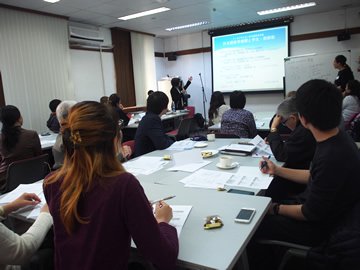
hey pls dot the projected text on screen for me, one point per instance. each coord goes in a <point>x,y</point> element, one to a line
<point>250,61</point>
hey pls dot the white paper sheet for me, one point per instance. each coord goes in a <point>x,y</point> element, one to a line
<point>187,162</point>
<point>249,177</point>
<point>180,214</point>
<point>145,165</point>
<point>207,179</point>
<point>262,149</point>
<point>181,145</point>
<point>36,188</point>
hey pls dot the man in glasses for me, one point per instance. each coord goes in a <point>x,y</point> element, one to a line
<point>297,151</point>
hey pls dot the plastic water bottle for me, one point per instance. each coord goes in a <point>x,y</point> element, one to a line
<point>173,108</point>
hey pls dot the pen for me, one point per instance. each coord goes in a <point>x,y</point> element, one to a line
<point>264,163</point>
<point>164,199</point>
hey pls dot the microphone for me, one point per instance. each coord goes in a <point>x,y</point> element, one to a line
<point>200,74</point>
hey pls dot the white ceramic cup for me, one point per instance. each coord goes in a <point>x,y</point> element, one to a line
<point>210,137</point>
<point>226,161</point>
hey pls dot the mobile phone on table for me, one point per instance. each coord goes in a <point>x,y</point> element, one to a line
<point>245,215</point>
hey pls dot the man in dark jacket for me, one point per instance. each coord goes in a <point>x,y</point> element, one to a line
<point>150,134</point>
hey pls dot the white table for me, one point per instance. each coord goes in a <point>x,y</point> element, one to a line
<point>208,249</point>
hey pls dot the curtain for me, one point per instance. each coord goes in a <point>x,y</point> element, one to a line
<point>35,63</point>
<point>143,66</point>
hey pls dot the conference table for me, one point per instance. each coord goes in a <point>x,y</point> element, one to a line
<point>208,249</point>
<point>221,248</point>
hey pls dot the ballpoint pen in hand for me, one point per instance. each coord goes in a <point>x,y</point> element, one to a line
<point>264,163</point>
<point>164,199</point>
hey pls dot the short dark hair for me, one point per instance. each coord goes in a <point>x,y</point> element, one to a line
<point>320,103</point>
<point>340,59</point>
<point>114,100</point>
<point>157,102</point>
<point>237,100</point>
<point>9,115</point>
<point>175,82</point>
<point>53,104</point>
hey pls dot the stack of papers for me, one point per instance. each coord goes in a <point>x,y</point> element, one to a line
<point>145,165</point>
<point>245,177</point>
<point>29,212</point>
<point>241,149</point>
<point>262,149</point>
<point>249,177</point>
<point>207,179</point>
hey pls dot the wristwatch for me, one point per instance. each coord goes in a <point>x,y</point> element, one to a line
<point>273,129</point>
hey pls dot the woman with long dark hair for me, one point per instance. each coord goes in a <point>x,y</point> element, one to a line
<point>217,107</point>
<point>96,204</point>
<point>16,143</point>
<point>114,101</point>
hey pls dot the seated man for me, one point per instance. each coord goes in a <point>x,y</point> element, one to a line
<point>150,134</point>
<point>332,182</point>
<point>297,151</point>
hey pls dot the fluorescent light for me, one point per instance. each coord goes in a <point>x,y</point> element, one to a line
<point>186,26</point>
<point>52,1</point>
<point>144,13</point>
<point>283,9</point>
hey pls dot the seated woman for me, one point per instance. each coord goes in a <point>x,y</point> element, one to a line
<point>217,108</point>
<point>351,101</point>
<point>16,143</point>
<point>237,120</point>
<point>297,152</point>
<point>16,249</point>
<point>114,101</point>
<point>97,206</point>
<point>150,135</point>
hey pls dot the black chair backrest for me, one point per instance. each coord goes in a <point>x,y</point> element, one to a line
<point>26,171</point>
<point>184,129</point>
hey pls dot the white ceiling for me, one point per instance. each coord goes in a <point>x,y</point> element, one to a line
<point>219,13</point>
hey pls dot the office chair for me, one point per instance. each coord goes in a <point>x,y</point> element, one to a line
<point>292,251</point>
<point>27,171</point>
<point>183,131</point>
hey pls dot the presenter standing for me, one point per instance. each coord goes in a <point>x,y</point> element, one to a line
<point>178,93</point>
<point>345,73</point>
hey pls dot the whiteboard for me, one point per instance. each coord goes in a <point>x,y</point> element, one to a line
<point>300,69</point>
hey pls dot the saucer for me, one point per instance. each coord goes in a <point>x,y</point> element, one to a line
<point>233,165</point>
<point>200,144</point>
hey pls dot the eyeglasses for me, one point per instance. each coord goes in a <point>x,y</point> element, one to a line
<point>284,122</point>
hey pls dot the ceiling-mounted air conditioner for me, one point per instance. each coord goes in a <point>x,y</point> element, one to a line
<point>87,36</point>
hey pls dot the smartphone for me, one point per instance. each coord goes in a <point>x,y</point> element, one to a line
<point>245,215</point>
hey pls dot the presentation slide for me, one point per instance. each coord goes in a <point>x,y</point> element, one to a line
<point>250,61</point>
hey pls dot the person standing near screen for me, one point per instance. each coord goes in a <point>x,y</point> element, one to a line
<point>345,73</point>
<point>178,92</point>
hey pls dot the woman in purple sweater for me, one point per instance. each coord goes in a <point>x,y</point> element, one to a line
<point>97,207</point>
